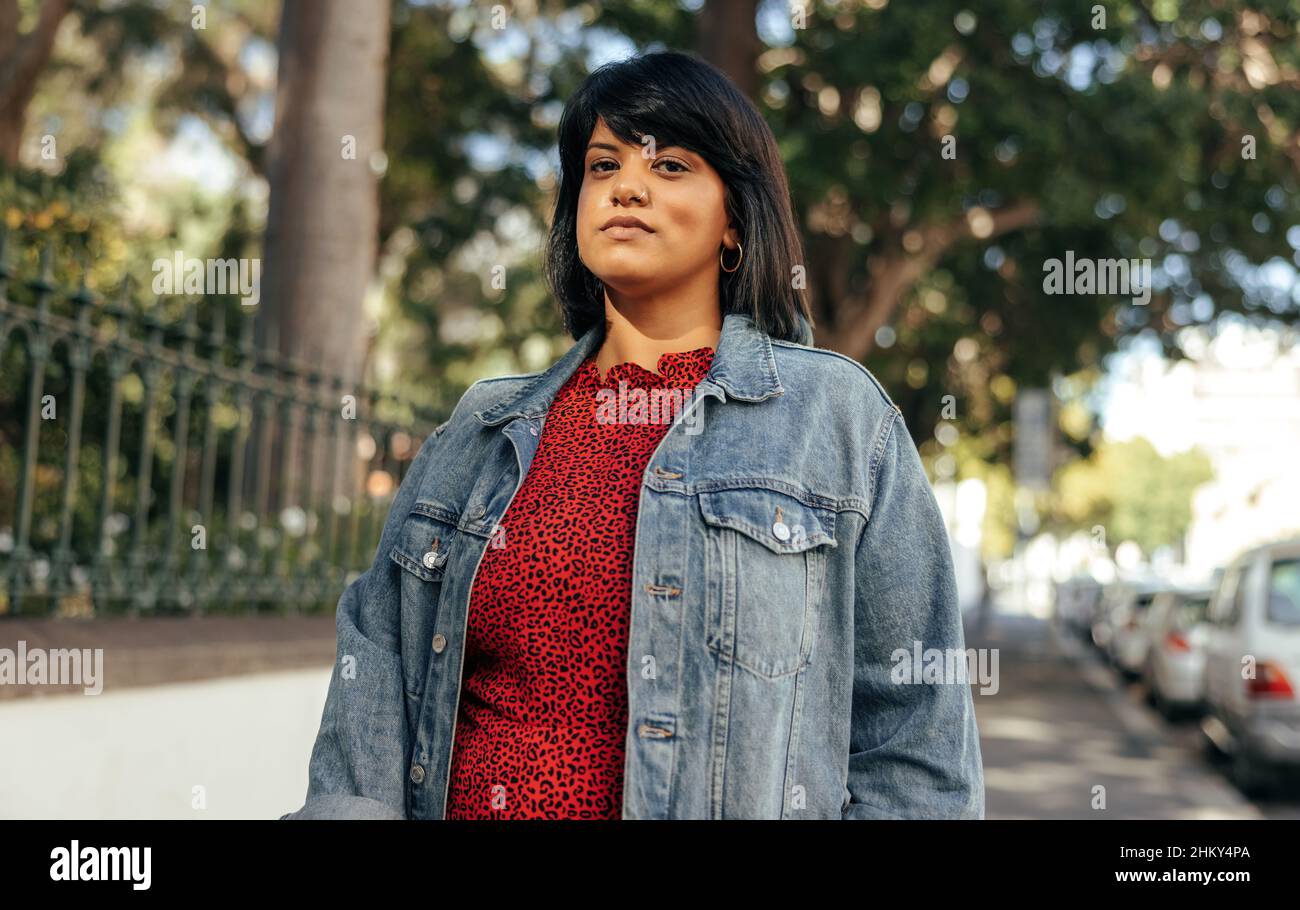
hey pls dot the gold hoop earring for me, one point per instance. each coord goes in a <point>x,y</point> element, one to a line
<point>738,258</point>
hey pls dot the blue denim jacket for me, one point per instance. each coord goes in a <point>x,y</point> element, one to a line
<point>763,646</point>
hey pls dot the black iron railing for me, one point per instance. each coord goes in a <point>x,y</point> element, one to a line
<point>152,464</point>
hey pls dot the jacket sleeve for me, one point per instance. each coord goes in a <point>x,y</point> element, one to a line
<point>913,747</point>
<point>358,764</point>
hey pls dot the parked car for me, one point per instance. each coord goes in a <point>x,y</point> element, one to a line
<point>1174,669</point>
<point>1110,610</point>
<point>1075,600</point>
<point>1129,642</point>
<point>1100,628</point>
<point>1252,666</point>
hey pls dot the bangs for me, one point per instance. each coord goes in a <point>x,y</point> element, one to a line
<point>683,101</point>
<point>633,107</point>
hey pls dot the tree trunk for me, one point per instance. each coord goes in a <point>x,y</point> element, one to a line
<point>324,208</point>
<point>21,61</point>
<point>321,232</point>
<point>728,38</point>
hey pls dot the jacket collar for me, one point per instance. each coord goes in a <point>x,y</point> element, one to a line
<point>742,367</point>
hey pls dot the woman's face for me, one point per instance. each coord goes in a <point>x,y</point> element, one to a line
<point>673,192</point>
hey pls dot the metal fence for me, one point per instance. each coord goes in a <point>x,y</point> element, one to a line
<point>156,465</point>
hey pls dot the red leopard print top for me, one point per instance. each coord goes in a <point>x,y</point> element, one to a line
<point>542,723</point>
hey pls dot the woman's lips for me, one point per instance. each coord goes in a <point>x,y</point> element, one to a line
<point>620,232</point>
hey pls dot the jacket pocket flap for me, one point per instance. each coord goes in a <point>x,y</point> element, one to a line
<point>424,543</point>
<point>777,520</point>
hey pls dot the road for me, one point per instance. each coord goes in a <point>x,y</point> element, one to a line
<point>1064,738</point>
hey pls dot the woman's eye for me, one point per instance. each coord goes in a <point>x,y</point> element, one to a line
<point>598,168</point>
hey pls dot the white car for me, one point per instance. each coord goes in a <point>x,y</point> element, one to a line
<point>1127,644</point>
<point>1252,666</point>
<point>1112,595</point>
<point>1075,600</point>
<point>1176,630</point>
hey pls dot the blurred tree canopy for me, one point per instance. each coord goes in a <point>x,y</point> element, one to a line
<point>939,154</point>
<point>1159,131</point>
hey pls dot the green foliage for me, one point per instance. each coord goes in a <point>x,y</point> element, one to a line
<point>1126,139</point>
<point>1133,492</point>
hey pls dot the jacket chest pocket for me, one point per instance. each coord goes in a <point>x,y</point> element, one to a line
<point>765,569</point>
<point>423,552</point>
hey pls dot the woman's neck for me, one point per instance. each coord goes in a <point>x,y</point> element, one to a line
<point>641,334</point>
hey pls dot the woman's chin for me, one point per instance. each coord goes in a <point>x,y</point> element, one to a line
<point>629,280</point>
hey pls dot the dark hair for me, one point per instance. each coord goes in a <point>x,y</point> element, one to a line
<point>682,100</point>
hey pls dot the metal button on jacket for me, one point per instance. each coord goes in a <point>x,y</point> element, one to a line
<point>417,774</point>
<point>439,642</point>
<point>781,531</point>
<point>433,558</point>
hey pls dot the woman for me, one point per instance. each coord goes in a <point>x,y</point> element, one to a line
<point>682,572</point>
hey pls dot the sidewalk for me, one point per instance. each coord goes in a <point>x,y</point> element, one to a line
<point>235,747</point>
<point>1059,728</point>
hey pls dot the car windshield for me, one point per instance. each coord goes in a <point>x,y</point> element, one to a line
<point>1284,593</point>
<point>1191,610</point>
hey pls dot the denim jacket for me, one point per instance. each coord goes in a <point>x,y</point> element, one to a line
<point>788,551</point>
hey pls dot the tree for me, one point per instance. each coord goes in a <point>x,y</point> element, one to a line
<point>323,164</point>
<point>728,39</point>
<point>1133,492</point>
<point>22,58</point>
<point>324,158</point>
<point>939,155</point>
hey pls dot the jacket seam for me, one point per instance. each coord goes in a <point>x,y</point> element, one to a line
<point>883,437</point>
<point>728,484</point>
<point>880,389</point>
<point>877,456</point>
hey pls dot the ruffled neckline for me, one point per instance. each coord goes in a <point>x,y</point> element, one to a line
<point>675,369</point>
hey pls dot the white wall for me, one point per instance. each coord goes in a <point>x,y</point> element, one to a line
<point>138,753</point>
